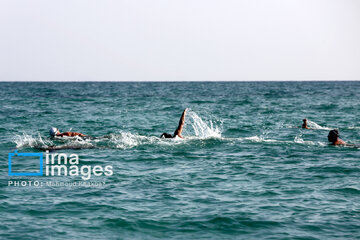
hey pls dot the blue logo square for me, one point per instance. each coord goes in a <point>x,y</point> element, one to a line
<point>15,153</point>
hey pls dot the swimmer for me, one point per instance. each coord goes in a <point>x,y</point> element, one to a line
<point>54,132</point>
<point>179,128</point>
<point>334,138</point>
<point>304,125</point>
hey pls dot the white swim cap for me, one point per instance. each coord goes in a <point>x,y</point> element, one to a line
<point>53,131</point>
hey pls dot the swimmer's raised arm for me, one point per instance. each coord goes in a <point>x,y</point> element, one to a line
<point>179,129</point>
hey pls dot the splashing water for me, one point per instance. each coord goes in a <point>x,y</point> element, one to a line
<point>121,140</point>
<point>26,140</point>
<point>200,128</point>
<point>39,142</point>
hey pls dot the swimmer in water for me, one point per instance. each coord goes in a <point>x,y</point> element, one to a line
<point>54,132</point>
<point>334,138</point>
<point>304,125</point>
<point>179,128</point>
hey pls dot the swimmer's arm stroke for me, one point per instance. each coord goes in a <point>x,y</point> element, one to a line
<point>179,129</point>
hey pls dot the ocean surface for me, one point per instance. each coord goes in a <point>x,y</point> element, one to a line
<point>243,171</point>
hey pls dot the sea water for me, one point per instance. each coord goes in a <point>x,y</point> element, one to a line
<point>244,169</point>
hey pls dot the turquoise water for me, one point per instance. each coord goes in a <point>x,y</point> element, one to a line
<point>243,171</point>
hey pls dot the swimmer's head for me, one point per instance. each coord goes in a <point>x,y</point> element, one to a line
<point>53,131</point>
<point>166,135</point>
<point>333,135</point>
<point>304,120</point>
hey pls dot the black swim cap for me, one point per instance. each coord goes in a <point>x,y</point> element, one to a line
<point>333,135</point>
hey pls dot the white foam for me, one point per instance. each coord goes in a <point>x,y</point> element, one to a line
<point>262,139</point>
<point>353,128</point>
<point>26,140</point>
<point>298,139</point>
<point>199,127</point>
<point>126,140</point>
<point>195,128</point>
<point>314,125</point>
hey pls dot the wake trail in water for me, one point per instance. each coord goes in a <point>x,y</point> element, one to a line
<point>314,125</point>
<point>352,128</point>
<point>297,140</point>
<point>300,140</point>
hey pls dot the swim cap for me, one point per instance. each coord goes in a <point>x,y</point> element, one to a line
<point>333,135</point>
<point>53,131</point>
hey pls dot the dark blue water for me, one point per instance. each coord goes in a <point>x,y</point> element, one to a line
<point>244,169</point>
